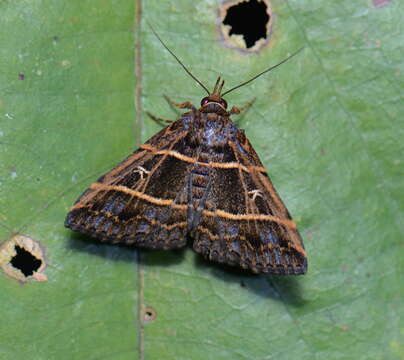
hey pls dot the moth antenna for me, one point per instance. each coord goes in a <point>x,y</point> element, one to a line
<point>178,60</point>
<point>262,73</point>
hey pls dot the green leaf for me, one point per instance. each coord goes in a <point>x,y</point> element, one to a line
<point>76,80</point>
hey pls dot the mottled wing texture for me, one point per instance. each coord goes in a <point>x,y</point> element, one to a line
<point>143,200</point>
<point>201,177</point>
<point>244,222</point>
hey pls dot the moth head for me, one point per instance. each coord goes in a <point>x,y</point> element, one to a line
<point>214,99</point>
<point>215,96</point>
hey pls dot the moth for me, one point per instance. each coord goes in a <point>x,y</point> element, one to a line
<point>197,179</point>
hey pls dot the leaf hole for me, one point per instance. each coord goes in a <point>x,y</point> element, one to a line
<point>149,314</point>
<point>246,24</point>
<point>25,261</point>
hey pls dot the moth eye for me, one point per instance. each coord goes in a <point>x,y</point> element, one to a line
<point>223,102</point>
<point>204,101</point>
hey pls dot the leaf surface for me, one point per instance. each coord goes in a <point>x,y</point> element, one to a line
<point>76,80</point>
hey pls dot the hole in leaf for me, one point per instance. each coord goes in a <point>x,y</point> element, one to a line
<point>149,314</point>
<point>25,261</point>
<point>250,19</point>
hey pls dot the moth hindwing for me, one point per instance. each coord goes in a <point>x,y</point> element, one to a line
<point>199,176</point>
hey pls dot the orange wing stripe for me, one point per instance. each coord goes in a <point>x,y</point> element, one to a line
<point>138,194</point>
<point>226,165</point>
<point>168,202</point>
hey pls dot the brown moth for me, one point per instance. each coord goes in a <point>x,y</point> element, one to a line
<point>197,178</point>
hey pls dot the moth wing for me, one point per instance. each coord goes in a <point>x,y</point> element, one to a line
<point>244,222</point>
<point>143,200</point>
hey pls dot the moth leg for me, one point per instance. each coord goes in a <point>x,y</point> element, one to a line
<point>158,119</point>
<point>236,110</point>
<point>184,105</point>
